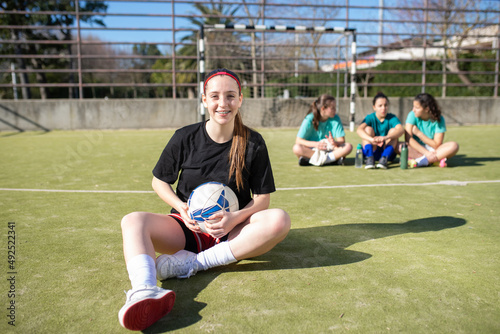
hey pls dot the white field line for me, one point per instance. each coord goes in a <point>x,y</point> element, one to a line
<point>440,183</point>
<point>81,191</point>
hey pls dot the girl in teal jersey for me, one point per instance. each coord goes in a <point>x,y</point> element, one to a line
<point>322,132</point>
<point>425,128</point>
<point>379,132</point>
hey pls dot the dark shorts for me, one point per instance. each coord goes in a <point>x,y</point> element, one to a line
<point>196,242</point>
<point>377,154</point>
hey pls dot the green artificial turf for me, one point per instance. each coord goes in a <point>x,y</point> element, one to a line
<point>370,251</point>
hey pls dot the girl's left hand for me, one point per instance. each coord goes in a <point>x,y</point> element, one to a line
<point>379,141</point>
<point>330,139</point>
<point>221,224</point>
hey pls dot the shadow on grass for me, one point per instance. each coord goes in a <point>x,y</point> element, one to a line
<point>321,246</point>
<point>351,161</point>
<point>463,160</point>
<point>326,245</point>
<point>458,160</point>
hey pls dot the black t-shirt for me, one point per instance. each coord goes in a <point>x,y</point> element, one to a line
<point>194,158</point>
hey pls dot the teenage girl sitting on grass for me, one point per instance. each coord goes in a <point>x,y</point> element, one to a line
<point>425,128</point>
<point>221,149</point>
<point>379,132</point>
<point>321,137</point>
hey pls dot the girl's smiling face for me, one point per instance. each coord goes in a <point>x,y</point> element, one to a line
<point>222,98</point>
<point>381,107</point>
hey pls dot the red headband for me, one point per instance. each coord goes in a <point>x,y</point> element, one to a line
<point>221,73</point>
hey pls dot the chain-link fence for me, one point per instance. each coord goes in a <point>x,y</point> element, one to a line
<point>149,49</point>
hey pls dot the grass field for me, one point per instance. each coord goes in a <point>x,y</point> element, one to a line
<point>370,251</point>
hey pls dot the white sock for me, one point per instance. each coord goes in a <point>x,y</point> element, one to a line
<point>330,157</point>
<point>217,255</point>
<point>422,161</point>
<point>141,270</point>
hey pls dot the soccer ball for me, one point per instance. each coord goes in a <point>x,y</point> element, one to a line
<point>210,198</point>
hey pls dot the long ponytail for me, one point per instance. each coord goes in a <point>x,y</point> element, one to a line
<point>238,151</point>
<point>315,108</point>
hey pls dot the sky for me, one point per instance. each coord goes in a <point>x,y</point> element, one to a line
<point>359,17</point>
<point>123,21</point>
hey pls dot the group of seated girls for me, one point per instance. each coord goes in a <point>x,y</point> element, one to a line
<point>321,137</point>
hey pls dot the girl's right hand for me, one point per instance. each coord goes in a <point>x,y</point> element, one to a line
<point>431,157</point>
<point>191,224</point>
<point>415,131</point>
<point>379,141</point>
<point>322,145</point>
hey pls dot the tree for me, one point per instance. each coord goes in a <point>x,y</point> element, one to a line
<point>17,35</point>
<point>454,21</point>
<point>186,61</point>
<point>164,64</point>
<point>253,45</point>
<point>143,63</point>
<point>60,27</point>
<point>65,21</point>
<point>320,14</point>
<point>92,45</point>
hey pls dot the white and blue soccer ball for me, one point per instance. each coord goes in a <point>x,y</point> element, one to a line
<point>208,199</point>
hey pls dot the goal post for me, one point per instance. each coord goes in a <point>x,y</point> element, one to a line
<point>283,62</point>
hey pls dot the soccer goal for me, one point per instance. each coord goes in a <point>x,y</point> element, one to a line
<point>283,68</point>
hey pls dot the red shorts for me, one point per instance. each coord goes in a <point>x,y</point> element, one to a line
<point>196,242</point>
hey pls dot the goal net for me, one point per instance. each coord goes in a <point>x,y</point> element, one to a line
<point>283,69</point>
